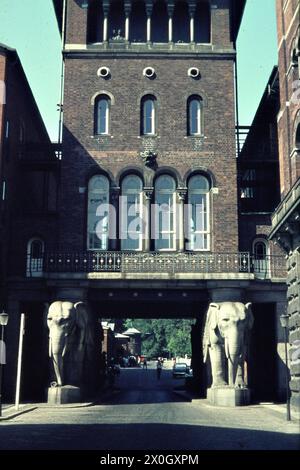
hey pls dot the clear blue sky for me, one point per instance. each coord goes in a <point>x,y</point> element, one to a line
<point>30,27</point>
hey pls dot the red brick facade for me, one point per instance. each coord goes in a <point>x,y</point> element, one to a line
<point>288,27</point>
<point>84,155</point>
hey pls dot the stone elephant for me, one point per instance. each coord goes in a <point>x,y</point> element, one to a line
<point>70,340</point>
<point>225,337</point>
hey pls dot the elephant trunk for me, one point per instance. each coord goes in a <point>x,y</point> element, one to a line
<point>57,349</point>
<point>233,352</point>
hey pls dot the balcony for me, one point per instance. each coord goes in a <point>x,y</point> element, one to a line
<point>154,262</point>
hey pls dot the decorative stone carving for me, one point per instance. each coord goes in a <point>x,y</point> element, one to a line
<point>149,158</point>
<point>117,37</point>
<point>148,193</point>
<point>225,338</point>
<point>182,193</point>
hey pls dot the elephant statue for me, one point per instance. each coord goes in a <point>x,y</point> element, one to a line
<point>70,340</point>
<point>225,337</point>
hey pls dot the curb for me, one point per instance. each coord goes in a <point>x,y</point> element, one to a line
<point>183,395</point>
<point>17,413</point>
<point>66,405</point>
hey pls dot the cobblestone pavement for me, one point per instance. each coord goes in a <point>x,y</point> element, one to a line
<point>143,413</point>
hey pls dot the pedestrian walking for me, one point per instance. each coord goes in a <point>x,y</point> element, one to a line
<point>145,364</point>
<point>158,369</point>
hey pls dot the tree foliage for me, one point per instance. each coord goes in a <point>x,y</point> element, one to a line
<point>160,336</point>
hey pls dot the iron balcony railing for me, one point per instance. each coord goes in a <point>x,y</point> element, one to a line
<point>154,262</point>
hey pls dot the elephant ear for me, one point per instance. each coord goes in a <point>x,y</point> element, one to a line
<point>212,319</point>
<point>210,323</point>
<point>249,315</point>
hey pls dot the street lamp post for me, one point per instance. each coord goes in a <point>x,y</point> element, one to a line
<point>3,323</point>
<point>284,320</point>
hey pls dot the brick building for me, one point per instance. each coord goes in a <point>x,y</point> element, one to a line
<point>285,220</point>
<point>29,170</point>
<point>149,120</point>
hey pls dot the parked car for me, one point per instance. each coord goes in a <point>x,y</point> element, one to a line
<point>180,370</point>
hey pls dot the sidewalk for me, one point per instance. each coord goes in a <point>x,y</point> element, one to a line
<point>9,411</point>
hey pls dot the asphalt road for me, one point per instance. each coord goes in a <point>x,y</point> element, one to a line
<point>144,413</point>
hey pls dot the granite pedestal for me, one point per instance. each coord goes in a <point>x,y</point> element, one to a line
<point>64,395</point>
<point>228,396</point>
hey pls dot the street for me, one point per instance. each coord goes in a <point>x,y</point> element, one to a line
<point>144,413</point>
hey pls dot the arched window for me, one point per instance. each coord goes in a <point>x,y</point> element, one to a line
<point>131,232</point>
<point>138,22</point>
<point>159,22</point>
<point>148,118</point>
<point>260,257</point>
<point>165,213</point>
<point>181,22</point>
<point>102,112</point>
<point>198,214</point>
<point>98,213</point>
<point>35,258</point>
<point>202,23</point>
<point>195,112</point>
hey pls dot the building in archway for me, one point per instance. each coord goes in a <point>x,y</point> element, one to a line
<point>149,220</point>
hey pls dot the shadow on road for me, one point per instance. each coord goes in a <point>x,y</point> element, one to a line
<point>139,436</point>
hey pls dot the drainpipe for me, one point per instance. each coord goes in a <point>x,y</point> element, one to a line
<point>62,76</point>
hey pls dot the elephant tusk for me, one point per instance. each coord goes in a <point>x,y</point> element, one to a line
<point>65,349</point>
<point>226,348</point>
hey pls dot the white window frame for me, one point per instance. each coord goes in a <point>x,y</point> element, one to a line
<point>206,232</point>
<point>124,209</point>
<point>199,123</point>
<point>172,233</point>
<point>106,192</point>
<point>151,99</point>
<point>261,266</point>
<point>34,266</point>
<point>98,115</point>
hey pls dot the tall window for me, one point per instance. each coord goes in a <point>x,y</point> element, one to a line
<point>116,19</point>
<point>98,213</point>
<point>131,213</point>
<point>260,257</point>
<point>203,23</point>
<point>181,22</point>
<point>159,23</point>
<point>165,211</point>
<point>35,255</point>
<point>102,111</point>
<point>195,115</point>
<point>198,213</point>
<point>138,21</point>
<point>148,115</point>
<point>95,22</point>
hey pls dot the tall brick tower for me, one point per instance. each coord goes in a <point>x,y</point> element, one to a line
<point>166,63</point>
<point>286,219</point>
